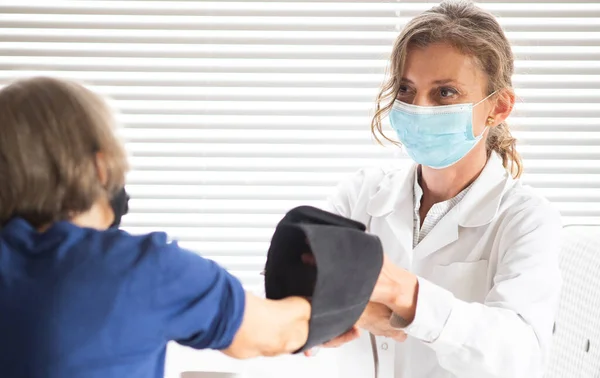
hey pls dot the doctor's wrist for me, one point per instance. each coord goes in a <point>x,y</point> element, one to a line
<point>404,303</point>
<point>398,290</point>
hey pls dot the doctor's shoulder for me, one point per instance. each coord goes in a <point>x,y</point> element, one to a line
<point>524,213</point>
<point>525,200</point>
<point>350,197</point>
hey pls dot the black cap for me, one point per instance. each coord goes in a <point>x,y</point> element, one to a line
<point>348,263</point>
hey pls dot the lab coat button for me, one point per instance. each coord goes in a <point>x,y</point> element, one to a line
<point>384,346</point>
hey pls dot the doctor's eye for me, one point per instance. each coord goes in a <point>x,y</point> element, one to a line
<point>447,92</point>
<point>404,91</point>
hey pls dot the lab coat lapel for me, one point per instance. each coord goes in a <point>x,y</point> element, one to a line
<point>400,222</point>
<point>442,234</point>
<point>478,207</point>
<point>393,204</point>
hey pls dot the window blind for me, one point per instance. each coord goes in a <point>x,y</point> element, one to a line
<point>234,112</point>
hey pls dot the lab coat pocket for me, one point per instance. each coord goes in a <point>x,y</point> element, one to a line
<point>466,280</point>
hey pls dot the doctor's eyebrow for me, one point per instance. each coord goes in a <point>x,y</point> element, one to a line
<point>404,80</point>
<point>446,81</point>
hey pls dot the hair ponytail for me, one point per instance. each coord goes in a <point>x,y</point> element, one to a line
<point>501,141</point>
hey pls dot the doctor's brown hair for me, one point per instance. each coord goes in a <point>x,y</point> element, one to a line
<point>476,33</point>
<point>52,131</point>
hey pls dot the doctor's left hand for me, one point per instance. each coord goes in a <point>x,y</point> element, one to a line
<point>396,289</point>
<point>376,320</point>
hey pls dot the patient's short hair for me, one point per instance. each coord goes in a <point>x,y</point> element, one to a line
<point>50,134</point>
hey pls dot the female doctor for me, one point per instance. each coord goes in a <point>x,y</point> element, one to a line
<point>472,255</point>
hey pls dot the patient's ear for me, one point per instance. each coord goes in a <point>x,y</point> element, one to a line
<point>101,168</point>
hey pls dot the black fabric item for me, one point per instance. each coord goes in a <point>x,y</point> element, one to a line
<point>120,206</point>
<point>348,263</point>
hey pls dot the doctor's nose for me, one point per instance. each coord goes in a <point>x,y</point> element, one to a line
<point>422,99</point>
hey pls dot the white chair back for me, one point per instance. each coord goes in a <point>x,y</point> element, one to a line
<point>576,348</point>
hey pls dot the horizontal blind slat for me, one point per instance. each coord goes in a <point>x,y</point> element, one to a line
<point>184,7</point>
<point>234,112</point>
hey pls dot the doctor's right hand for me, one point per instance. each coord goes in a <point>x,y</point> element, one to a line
<point>352,334</point>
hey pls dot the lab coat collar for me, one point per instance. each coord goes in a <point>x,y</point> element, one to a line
<point>479,206</point>
<point>395,188</point>
<point>481,203</point>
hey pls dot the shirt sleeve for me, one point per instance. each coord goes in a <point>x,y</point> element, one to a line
<point>201,304</point>
<point>434,307</point>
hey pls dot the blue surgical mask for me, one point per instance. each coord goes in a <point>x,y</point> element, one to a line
<point>435,136</point>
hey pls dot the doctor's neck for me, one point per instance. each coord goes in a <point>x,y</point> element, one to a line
<point>443,184</point>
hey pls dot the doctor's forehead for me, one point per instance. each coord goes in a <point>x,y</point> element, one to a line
<point>439,64</point>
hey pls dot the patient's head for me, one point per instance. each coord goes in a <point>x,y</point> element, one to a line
<point>60,158</point>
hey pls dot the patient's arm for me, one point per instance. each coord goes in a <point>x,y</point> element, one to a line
<point>271,327</point>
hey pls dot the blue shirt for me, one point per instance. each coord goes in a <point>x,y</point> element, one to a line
<point>77,302</point>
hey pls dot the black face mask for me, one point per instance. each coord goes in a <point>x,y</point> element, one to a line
<point>120,206</point>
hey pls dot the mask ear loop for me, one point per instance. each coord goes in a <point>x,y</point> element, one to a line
<point>487,97</point>
<point>488,124</point>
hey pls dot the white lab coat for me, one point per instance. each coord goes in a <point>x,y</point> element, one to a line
<point>489,277</point>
